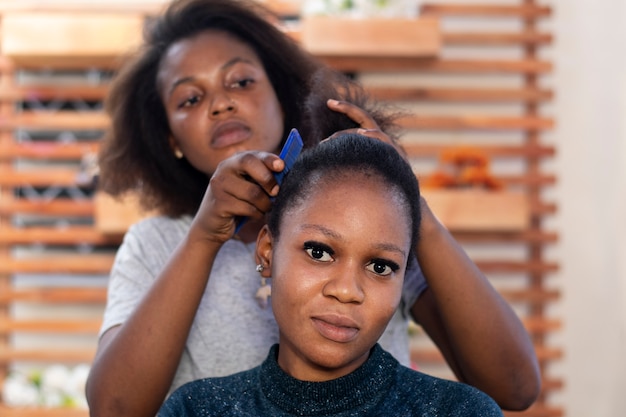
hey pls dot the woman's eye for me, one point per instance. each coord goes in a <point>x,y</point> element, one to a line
<point>382,268</point>
<point>244,82</point>
<point>190,101</point>
<point>318,252</point>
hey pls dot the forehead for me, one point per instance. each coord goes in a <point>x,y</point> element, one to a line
<point>353,192</point>
<point>203,51</point>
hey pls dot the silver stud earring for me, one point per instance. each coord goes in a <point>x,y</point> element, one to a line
<point>259,268</point>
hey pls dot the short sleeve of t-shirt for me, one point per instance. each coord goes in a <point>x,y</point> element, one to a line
<point>414,286</point>
<point>146,247</point>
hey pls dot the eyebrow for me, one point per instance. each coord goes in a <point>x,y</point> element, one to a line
<point>332,234</point>
<point>227,65</point>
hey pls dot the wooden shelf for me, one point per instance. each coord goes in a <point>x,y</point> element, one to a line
<point>479,210</point>
<point>393,37</point>
<point>69,40</point>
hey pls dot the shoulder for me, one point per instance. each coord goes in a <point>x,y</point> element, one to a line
<point>449,398</point>
<point>213,396</point>
<point>148,243</point>
<point>156,234</point>
<point>161,226</point>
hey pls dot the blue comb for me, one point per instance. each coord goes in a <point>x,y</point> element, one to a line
<point>289,154</point>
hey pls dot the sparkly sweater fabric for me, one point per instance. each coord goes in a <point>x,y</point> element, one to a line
<point>380,387</point>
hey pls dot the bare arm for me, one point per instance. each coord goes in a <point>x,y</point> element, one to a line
<point>140,357</point>
<point>478,333</point>
<point>136,362</point>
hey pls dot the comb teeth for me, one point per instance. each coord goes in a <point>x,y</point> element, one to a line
<point>289,154</point>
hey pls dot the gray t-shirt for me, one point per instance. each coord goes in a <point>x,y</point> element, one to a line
<point>231,332</point>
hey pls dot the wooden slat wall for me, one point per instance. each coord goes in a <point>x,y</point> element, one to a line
<point>66,243</point>
<point>456,111</point>
<point>46,215</point>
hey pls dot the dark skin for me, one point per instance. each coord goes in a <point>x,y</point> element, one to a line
<point>478,333</point>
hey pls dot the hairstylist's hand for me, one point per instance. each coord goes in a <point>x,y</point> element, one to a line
<point>368,126</point>
<point>240,187</point>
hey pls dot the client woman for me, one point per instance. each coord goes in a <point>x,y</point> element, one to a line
<point>336,247</point>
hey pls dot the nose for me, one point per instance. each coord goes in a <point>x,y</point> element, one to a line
<point>344,284</point>
<point>222,103</point>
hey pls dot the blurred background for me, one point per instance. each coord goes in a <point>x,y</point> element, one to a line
<point>546,109</point>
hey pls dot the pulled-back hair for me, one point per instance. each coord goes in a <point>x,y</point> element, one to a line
<point>347,154</point>
<point>136,154</point>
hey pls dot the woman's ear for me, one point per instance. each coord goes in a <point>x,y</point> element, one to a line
<point>264,249</point>
<point>178,153</point>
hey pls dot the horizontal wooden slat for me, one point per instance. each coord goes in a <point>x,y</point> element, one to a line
<point>472,122</point>
<point>434,356</point>
<point>540,325</point>
<point>69,235</point>
<point>66,295</point>
<point>542,209</point>
<point>62,177</point>
<point>529,38</point>
<point>517,266</point>
<point>552,384</point>
<point>53,92</point>
<point>42,412</point>
<point>152,6</point>
<point>56,207</point>
<point>66,264</point>
<point>442,94</point>
<point>531,295</point>
<point>50,326</point>
<point>537,410</point>
<point>59,120</point>
<point>109,63</point>
<point>65,151</point>
<point>69,178</point>
<point>458,66</point>
<point>486,10</point>
<point>545,353</point>
<point>529,180</point>
<point>491,151</point>
<point>51,150</point>
<point>484,66</point>
<point>527,236</point>
<point>8,355</point>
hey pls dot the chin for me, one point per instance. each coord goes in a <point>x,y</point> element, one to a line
<point>339,358</point>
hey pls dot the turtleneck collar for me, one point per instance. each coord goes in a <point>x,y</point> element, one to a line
<point>365,385</point>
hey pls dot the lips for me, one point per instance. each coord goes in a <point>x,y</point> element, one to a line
<point>228,134</point>
<point>337,328</point>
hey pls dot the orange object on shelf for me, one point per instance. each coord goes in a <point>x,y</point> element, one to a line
<point>465,196</point>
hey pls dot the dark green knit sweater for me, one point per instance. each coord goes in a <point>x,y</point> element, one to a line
<point>380,387</point>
